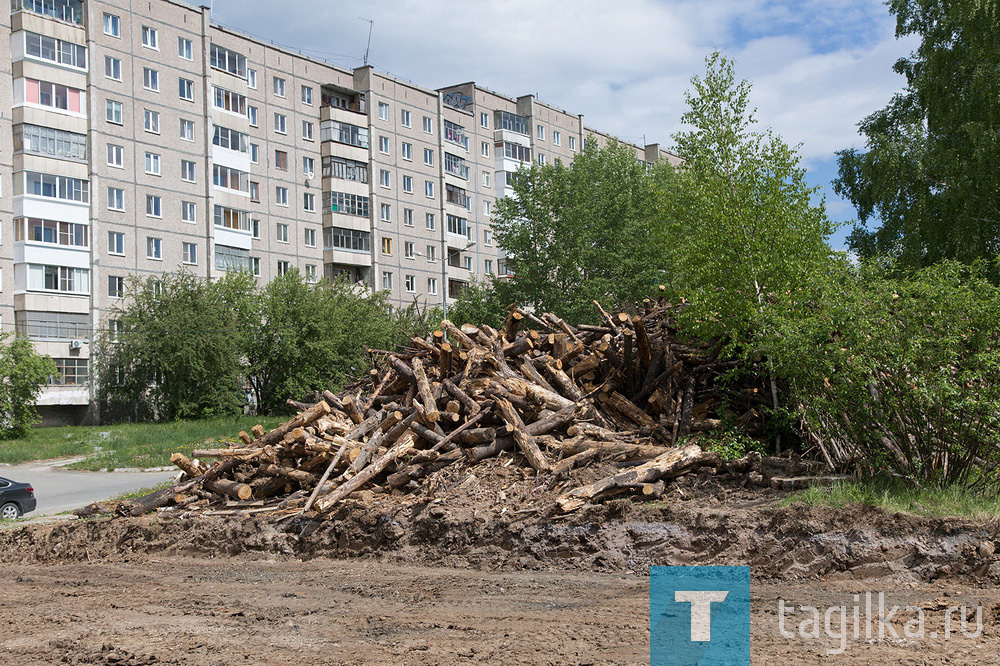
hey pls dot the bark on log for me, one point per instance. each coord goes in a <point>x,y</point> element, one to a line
<point>525,442</point>
<point>319,410</point>
<point>240,491</point>
<point>669,464</point>
<point>456,334</point>
<point>630,451</point>
<point>366,475</point>
<point>424,389</point>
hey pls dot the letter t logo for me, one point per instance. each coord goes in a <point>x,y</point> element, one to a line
<point>701,610</point>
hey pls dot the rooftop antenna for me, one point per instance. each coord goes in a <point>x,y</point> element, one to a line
<point>371,24</point>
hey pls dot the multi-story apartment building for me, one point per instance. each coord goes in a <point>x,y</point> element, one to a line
<point>144,139</point>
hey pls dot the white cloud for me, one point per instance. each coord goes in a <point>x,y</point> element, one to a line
<point>817,67</point>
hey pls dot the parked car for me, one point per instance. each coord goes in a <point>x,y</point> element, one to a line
<point>16,499</point>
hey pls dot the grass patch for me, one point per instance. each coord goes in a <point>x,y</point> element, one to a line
<point>140,492</point>
<point>894,495</point>
<point>141,445</point>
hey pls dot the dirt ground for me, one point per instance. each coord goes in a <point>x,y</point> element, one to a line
<point>478,570</point>
<point>182,610</point>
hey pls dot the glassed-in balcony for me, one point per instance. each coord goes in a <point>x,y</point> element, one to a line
<point>68,11</point>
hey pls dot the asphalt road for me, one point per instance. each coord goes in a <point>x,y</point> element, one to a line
<point>58,489</point>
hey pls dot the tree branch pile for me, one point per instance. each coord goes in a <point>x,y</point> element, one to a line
<point>557,396</point>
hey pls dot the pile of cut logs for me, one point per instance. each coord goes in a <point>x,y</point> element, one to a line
<point>560,396</point>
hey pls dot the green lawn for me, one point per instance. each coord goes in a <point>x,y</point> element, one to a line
<point>129,444</point>
<point>896,496</point>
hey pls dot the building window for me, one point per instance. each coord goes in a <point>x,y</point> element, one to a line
<point>486,179</point>
<point>432,286</point>
<point>309,166</point>
<point>338,238</point>
<point>383,178</point>
<point>281,195</point>
<point>187,130</point>
<point>116,199</point>
<point>572,143</point>
<point>282,232</point>
<point>383,144</point>
<point>387,246</point>
<point>116,286</point>
<point>307,95</point>
<point>113,112</point>
<point>188,211</point>
<point>487,207</point>
<point>408,251</point>
<point>54,96</point>
<point>254,153</point>
<point>309,202</point>
<point>310,238</point>
<point>428,125</point>
<point>280,123</point>
<point>455,133</point>
<point>254,191</point>
<point>149,37</point>
<point>252,115</point>
<point>70,372</point>
<point>184,48</point>
<point>487,236</point>
<point>432,253</point>
<point>279,86</point>
<point>56,187</point>
<point>345,169</point>
<point>153,164</point>
<point>116,243</point>
<point>154,248</point>
<point>386,279</point>
<point>404,117</point>
<point>281,160</point>
<point>484,120</point>
<point>488,266</point>
<point>307,130</point>
<point>283,267</point>
<point>55,50</point>
<point>150,79</point>
<point>112,25</point>
<point>556,138</point>
<point>151,121</point>
<point>411,283</point>
<point>252,79</point>
<point>50,141</point>
<point>58,278</point>
<point>255,266</point>
<point>187,171</point>
<point>233,218</point>
<point>386,212</point>
<point>541,132</point>
<point>189,253</point>
<point>458,226</point>
<point>541,159</point>
<point>485,148</point>
<point>230,101</point>
<point>225,60</point>
<point>348,204</point>
<point>383,111</point>
<point>311,274</point>
<point>345,133</point>
<point>154,206</point>
<point>230,179</point>
<point>116,156</point>
<point>406,150</point>
<point>112,68</point>
<point>428,157</point>
<point>52,325</point>
<point>429,189</point>
<point>407,217</point>
<point>408,184</point>
<point>429,221</point>
<point>186,89</point>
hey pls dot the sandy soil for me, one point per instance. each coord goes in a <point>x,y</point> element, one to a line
<point>277,611</point>
<point>479,570</point>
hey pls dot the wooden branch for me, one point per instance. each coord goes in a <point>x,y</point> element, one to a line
<point>366,475</point>
<point>524,441</point>
<point>424,389</point>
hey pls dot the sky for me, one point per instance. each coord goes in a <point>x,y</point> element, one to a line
<point>817,67</point>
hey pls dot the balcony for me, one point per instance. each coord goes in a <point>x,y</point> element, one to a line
<point>67,11</point>
<point>455,134</point>
<point>456,166</point>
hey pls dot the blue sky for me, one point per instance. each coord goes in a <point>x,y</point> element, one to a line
<point>817,67</point>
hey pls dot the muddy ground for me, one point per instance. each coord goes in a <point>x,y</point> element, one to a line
<point>478,570</point>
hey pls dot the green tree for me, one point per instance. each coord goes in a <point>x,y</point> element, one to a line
<point>929,174</point>
<point>740,228</point>
<point>175,354</point>
<point>22,373</point>
<point>580,233</point>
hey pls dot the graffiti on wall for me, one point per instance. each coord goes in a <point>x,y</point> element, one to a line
<point>457,100</point>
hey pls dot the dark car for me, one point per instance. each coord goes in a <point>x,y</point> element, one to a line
<point>16,499</point>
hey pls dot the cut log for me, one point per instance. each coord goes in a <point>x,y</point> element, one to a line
<point>240,491</point>
<point>669,464</point>
<point>629,451</point>
<point>424,390</point>
<point>628,409</point>
<point>363,477</point>
<point>525,442</point>
<point>317,411</point>
<point>456,334</point>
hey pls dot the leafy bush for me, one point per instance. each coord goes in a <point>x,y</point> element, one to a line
<point>22,373</point>
<point>898,371</point>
